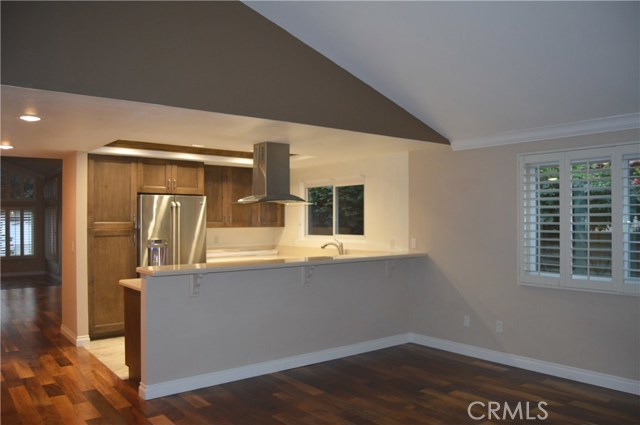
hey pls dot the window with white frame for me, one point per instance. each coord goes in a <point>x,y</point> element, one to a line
<point>17,232</point>
<point>18,212</point>
<point>336,209</point>
<point>579,219</point>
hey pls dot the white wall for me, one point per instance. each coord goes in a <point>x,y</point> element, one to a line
<point>242,237</point>
<point>75,308</point>
<point>386,203</point>
<point>250,317</point>
<point>464,214</point>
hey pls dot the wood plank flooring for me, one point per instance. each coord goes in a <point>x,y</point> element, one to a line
<point>46,380</point>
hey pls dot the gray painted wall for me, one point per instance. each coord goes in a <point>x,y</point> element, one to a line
<point>248,317</point>
<point>463,212</point>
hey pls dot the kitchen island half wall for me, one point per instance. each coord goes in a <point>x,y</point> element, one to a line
<point>207,324</point>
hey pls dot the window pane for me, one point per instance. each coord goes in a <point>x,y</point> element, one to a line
<point>28,227</point>
<point>542,219</point>
<point>3,183</point>
<point>631,210</point>
<point>51,232</point>
<point>320,214</point>
<point>29,188</point>
<point>591,218</point>
<point>350,210</point>
<point>3,234</point>
<point>15,241</point>
<point>16,185</point>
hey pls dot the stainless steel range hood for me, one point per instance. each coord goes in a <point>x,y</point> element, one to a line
<point>271,175</point>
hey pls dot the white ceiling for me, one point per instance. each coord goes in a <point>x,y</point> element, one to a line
<point>480,73</point>
<point>477,71</point>
<point>72,122</point>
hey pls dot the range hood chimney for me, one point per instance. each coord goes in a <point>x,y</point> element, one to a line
<point>271,175</point>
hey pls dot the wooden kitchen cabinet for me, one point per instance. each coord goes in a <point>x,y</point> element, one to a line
<point>268,215</point>
<point>177,177</point>
<point>223,187</point>
<point>112,256</point>
<point>132,332</point>
<point>112,192</point>
<point>112,253</point>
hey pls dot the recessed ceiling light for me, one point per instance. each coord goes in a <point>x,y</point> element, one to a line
<point>195,145</point>
<point>30,118</point>
<point>6,145</point>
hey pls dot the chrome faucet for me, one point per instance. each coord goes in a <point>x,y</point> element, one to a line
<point>337,244</point>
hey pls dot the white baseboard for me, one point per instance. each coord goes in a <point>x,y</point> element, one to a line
<point>575,374</point>
<point>161,389</point>
<point>77,340</point>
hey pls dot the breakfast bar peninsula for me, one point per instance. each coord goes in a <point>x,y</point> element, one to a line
<point>210,323</point>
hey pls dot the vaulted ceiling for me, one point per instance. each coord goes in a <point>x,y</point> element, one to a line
<point>485,73</point>
<point>334,79</point>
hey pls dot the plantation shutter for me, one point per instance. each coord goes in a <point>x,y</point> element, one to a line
<point>3,233</point>
<point>541,219</point>
<point>51,239</point>
<point>591,219</point>
<point>631,218</point>
<point>28,229</point>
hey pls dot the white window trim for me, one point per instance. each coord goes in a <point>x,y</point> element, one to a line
<point>618,284</point>
<point>335,182</point>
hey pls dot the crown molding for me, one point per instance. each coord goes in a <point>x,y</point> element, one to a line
<point>577,128</point>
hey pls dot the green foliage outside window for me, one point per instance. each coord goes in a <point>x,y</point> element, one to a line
<point>349,210</point>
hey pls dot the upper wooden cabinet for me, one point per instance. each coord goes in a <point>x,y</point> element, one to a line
<point>223,187</point>
<point>112,192</point>
<point>179,177</point>
<point>268,215</point>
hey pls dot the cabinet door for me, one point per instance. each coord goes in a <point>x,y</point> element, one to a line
<point>154,176</point>
<point>239,186</point>
<point>187,178</point>
<point>111,192</point>
<point>268,215</point>
<point>112,256</point>
<point>214,179</point>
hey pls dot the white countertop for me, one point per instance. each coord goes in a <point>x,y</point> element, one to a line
<point>135,284</point>
<point>230,264</point>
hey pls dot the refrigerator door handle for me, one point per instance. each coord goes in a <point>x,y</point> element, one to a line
<point>179,236</point>
<point>173,232</point>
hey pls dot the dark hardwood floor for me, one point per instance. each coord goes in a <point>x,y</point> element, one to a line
<point>27,282</point>
<point>46,380</point>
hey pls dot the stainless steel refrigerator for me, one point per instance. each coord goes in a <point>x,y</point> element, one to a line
<point>180,220</point>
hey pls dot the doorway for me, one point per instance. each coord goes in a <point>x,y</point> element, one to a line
<point>30,222</point>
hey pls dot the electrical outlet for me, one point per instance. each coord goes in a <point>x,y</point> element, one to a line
<point>194,285</point>
<point>499,326</point>
<point>467,321</point>
<point>414,244</point>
